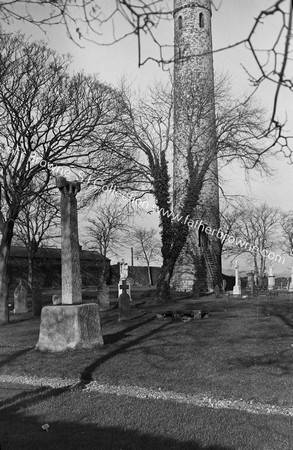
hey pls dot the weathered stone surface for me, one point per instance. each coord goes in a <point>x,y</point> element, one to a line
<point>124,307</point>
<point>194,82</point>
<point>20,299</point>
<point>70,263</point>
<point>69,327</point>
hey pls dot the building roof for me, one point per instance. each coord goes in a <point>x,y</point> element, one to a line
<point>18,251</point>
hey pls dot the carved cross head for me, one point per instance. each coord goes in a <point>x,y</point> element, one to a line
<point>67,187</point>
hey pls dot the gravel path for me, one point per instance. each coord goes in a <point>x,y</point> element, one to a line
<point>145,393</point>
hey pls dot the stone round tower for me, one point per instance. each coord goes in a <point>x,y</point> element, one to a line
<point>199,265</point>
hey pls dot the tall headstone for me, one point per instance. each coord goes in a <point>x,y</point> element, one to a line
<point>271,279</point>
<point>103,296</point>
<point>71,324</point>
<point>291,282</point>
<point>124,303</point>
<point>237,287</point>
<point>123,269</point>
<point>36,302</point>
<point>250,282</point>
<point>20,298</point>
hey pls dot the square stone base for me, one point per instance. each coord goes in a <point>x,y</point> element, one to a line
<point>69,327</point>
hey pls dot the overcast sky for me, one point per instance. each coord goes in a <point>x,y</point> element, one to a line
<point>231,22</point>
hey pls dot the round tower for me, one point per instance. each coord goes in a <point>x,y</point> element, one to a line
<point>199,266</point>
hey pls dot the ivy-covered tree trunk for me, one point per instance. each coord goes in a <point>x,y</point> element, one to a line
<point>30,272</point>
<point>4,255</point>
<point>163,294</point>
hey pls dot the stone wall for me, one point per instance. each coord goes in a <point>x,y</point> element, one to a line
<point>47,268</point>
<point>137,274</point>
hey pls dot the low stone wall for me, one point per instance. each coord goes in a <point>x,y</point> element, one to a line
<point>137,274</point>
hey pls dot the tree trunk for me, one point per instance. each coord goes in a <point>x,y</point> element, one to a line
<point>4,318</point>
<point>4,255</point>
<point>30,272</point>
<point>150,275</point>
<point>163,294</point>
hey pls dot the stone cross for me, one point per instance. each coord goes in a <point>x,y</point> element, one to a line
<point>70,264</point>
<point>237,287</point>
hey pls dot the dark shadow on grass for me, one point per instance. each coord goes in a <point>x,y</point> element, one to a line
<point>281,361</point>
<point>86,375</point>
<point>115,337</point>
<point>283,317</point>
<point>29,398</point>
<point>20,432</point>
<point>15,355</point>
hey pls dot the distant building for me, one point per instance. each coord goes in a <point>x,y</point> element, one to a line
<point>47,266</point>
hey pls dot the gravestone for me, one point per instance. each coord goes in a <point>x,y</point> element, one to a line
<point>71,324</point>
<point>124,303</point>
<point>123,267</point>
<point>224,283</point>
<point>20,298</point>
<point>237,287</point>
<point>271,279</point>
<point>36,302</point>
<point>291,282</point>
<point>56,299</point>
<point>103,296</point>
<point>217,291</point>
<point>250,282</point>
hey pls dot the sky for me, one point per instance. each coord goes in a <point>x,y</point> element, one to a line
<point>232,21</point>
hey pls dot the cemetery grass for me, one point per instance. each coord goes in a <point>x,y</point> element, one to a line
<point>243,350</point>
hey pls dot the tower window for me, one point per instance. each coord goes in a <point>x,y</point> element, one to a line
<point>180,22</point>
<point>201,20</point>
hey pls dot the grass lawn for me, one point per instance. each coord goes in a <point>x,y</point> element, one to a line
<point>244,350</point>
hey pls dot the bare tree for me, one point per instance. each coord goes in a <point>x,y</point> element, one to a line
<point>35,225</point>
<point>106,229</point>
<point>147,246</point>
<point>254,232</point>
<point>101,23</point>
<point>43,111</point>
<point>88,20</point>
<point>287,232</point>
<point>148,128</point>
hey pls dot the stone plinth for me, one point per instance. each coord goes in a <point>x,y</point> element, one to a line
<point>237,290</point>
<point>69,327</point>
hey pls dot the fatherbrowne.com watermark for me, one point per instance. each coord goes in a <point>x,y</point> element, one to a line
<point>144,204</point>
<point>197,224</point>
